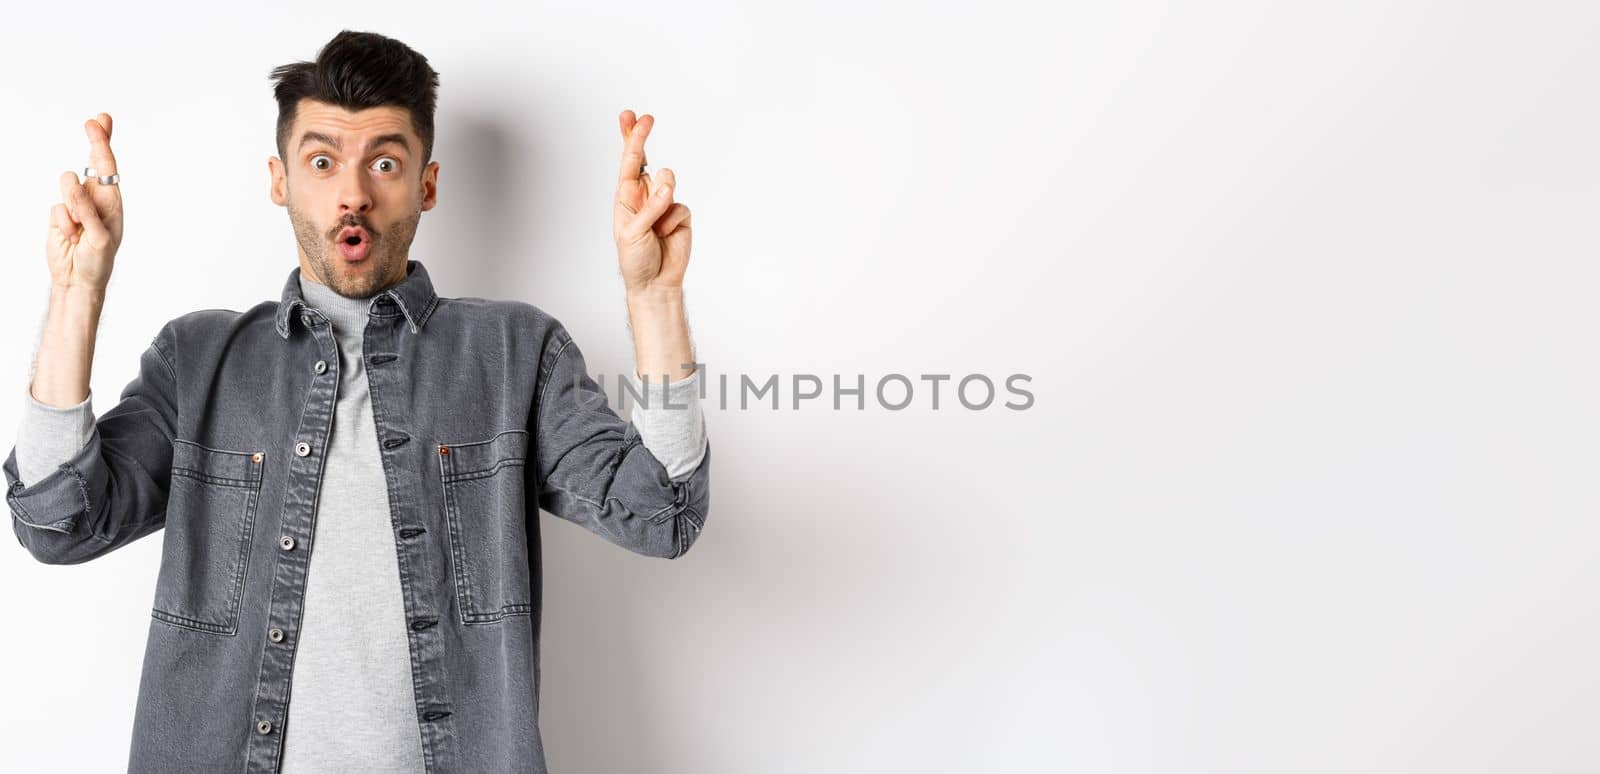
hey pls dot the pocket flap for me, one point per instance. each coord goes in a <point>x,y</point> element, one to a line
<point>217,466</point>
<point>506,447</point>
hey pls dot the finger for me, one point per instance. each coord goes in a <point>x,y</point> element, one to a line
<point>677,215</point>
<point>629,198</point>
<point>655,205</point>
<point>633,155</point>
<point>100,155</point>
<point>69,183</point>
<point>626,120</point>
<point>63,222</point>
<point>83,211</point>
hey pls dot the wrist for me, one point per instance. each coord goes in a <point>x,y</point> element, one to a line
<point>654,295</point>
<point>78,294</point>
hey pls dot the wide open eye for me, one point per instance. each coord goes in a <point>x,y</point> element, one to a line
<point>392,164</point>
<point>321,167</point>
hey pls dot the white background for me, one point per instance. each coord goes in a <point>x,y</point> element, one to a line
<point>1307,293</point>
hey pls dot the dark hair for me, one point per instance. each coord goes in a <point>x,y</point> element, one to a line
<point>358,70</point>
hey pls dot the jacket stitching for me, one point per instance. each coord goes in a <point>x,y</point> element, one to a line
<point>83,492</point>
<point>156,343</point>
<point>546,376</point>
<point>538,406</point>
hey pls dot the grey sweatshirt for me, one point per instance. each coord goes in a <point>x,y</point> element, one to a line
<point>352,706</point>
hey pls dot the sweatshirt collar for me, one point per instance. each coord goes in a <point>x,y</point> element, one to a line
<point>414,295</point>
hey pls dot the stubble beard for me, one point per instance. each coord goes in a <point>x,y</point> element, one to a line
<point>388,256</point>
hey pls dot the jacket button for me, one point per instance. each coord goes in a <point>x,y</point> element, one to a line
<point>322,365</point>
<point>275,634</point>
<point>302,448</point>
<point>264,727</point>
<point>286,543</point>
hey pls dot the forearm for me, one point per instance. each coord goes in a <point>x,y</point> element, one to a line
<point>670,419</point>
<point>660,334</point>
<point>66,346</point>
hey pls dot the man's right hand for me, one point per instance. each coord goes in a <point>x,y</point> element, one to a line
<point>86,227</point>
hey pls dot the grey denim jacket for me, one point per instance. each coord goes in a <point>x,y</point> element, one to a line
<point>485,413</point>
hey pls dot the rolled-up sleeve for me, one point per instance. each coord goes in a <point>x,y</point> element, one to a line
<point>671,422</point>
<point>49,435</point>
<point>594,470</point>
<point>113,490</point>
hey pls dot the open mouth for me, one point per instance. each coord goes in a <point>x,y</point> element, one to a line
<point>354,244</point>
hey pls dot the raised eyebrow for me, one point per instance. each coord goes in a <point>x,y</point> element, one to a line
<point>385,139</point>
<point>314,136</point>
<point>382,139</point>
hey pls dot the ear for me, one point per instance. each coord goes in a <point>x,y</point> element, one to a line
<point>280,183</point>
<point>430,185</point>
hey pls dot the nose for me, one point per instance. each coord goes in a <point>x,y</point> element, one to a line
<point>354,196</point>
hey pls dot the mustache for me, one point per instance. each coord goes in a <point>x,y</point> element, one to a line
<point>353,222</point>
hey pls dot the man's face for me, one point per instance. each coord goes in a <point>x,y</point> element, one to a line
<point>355,190</point>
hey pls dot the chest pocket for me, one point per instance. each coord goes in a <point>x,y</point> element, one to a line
<point>210,517</point>
<point>484,504</point>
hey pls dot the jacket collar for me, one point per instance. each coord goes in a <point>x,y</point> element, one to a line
<point>414,295</point>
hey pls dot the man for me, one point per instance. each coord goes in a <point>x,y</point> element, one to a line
<point>349,478</point>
